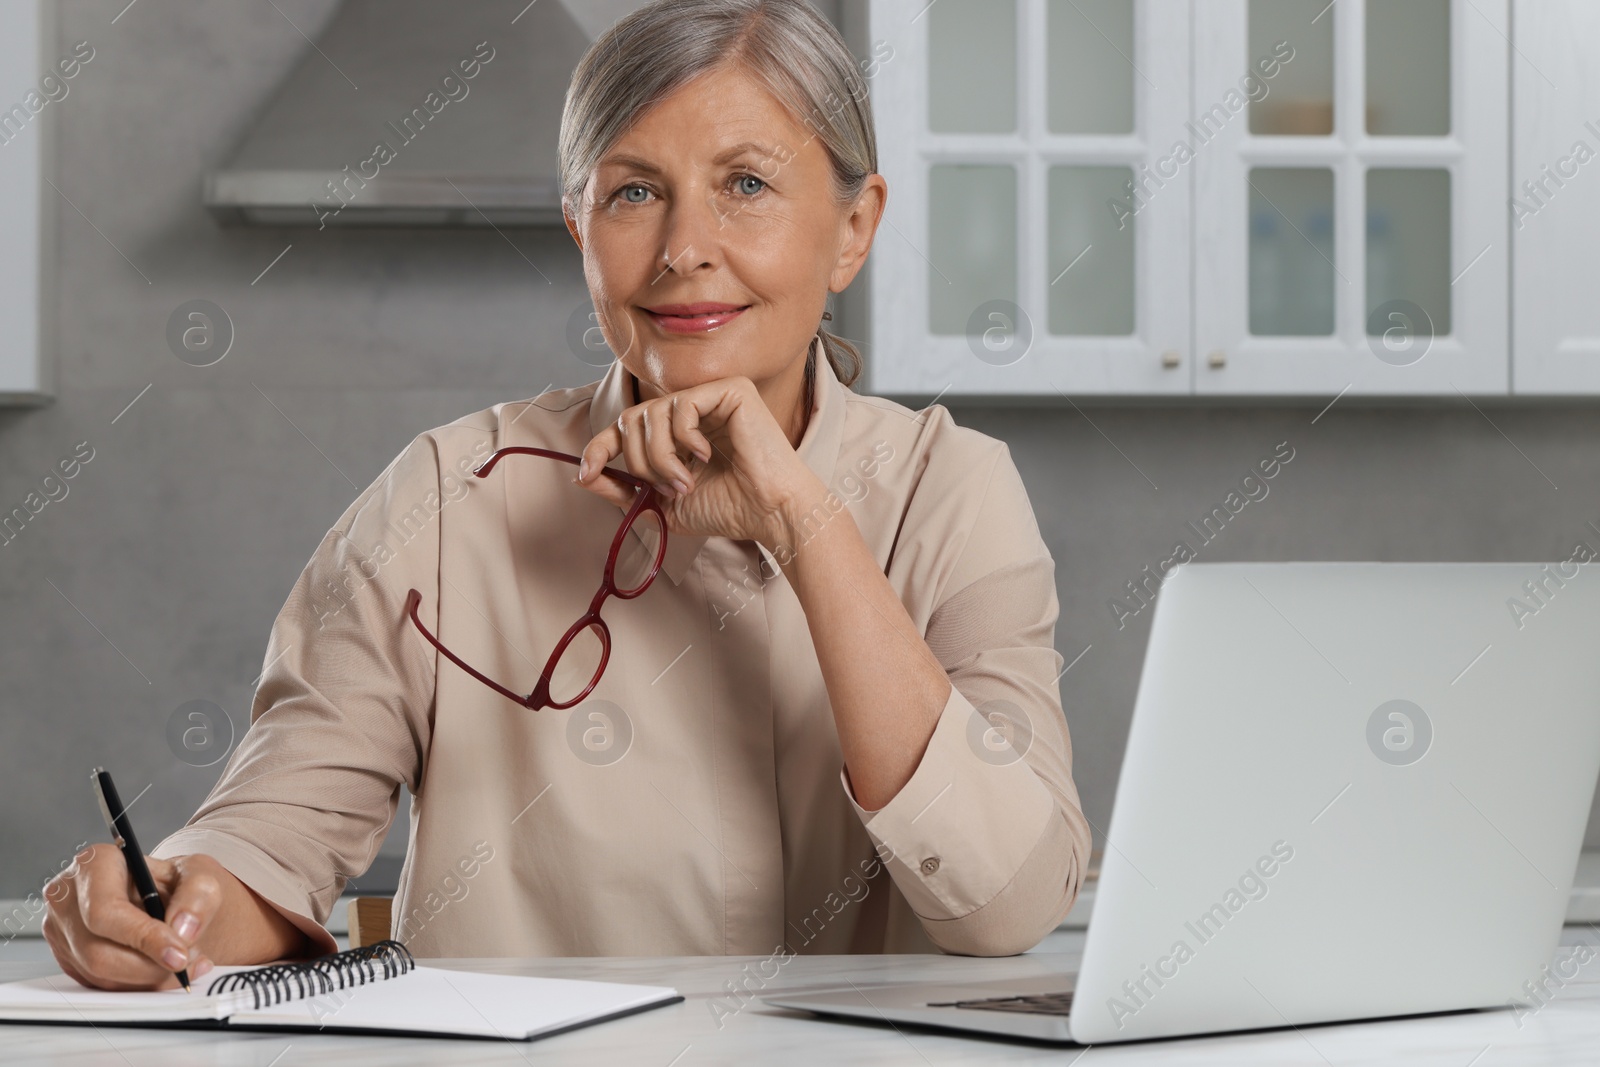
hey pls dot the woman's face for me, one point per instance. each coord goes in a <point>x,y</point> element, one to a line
<point>723,180</point>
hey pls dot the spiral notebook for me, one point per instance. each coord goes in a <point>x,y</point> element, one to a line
<point>377,988</point>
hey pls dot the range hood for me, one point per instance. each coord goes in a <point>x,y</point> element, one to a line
<point>415,113</point>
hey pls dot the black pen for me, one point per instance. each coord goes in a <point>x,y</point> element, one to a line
<point>122,834</point>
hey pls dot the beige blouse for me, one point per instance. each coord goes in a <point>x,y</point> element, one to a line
<point>694,804</point>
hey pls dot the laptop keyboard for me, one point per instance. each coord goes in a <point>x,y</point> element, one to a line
<point>1036,1004</point>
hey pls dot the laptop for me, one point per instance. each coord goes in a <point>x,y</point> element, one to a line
<point>1351,791</point>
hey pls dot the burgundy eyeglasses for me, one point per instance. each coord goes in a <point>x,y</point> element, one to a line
<point>646,505</point>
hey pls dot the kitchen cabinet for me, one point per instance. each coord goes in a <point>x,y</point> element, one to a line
<point>1230,198</point>
<point>1015,255</point>
<point>1555,197</point>
<point>1350,225</point>
<point>22,351</point>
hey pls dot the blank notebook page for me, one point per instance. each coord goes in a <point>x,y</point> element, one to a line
<point>435,1000</point>
<point>424,1000</point>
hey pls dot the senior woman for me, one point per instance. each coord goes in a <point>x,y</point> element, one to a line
<point>830,723</point>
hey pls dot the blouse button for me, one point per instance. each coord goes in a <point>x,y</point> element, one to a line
<point>930,865</point>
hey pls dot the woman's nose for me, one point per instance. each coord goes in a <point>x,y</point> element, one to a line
<point>692,232</point>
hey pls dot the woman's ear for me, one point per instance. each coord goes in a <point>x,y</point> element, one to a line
<point>572,227</point>
<point>858,229</point>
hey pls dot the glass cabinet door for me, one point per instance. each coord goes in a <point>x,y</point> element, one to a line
<point>1349,227</point>
<point>1035,240</point>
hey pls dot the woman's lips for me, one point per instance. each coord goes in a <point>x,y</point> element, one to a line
<point>695,323</point>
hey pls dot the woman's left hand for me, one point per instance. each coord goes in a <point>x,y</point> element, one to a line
<point>736,473</point>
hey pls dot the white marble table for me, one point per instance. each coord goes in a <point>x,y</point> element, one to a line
<point>1566,1031</point>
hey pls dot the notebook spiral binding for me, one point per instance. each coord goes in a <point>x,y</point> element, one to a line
<point>292,981</point>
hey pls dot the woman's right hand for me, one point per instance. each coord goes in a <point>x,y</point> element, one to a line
<point>103,938</point>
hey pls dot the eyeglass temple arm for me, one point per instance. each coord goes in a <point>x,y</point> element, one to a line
<point>483,469</point>
<point>413,598</point>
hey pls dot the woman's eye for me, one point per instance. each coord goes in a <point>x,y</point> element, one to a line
<point>748,184</point>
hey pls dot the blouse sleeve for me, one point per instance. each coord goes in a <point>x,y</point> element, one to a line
<point>343,712</point>
<point>987,841</point>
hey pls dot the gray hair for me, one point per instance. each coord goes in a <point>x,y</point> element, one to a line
<point>785,44</point>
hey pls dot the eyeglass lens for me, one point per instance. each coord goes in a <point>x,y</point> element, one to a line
<point>637,555</point>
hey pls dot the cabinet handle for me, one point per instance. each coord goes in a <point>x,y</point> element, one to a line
<point>1217,359</point>
<point>1171,358</point>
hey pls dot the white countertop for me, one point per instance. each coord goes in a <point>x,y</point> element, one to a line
<point>1565,1031</point>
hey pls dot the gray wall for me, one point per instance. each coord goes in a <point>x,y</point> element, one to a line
<point>155,581</point>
